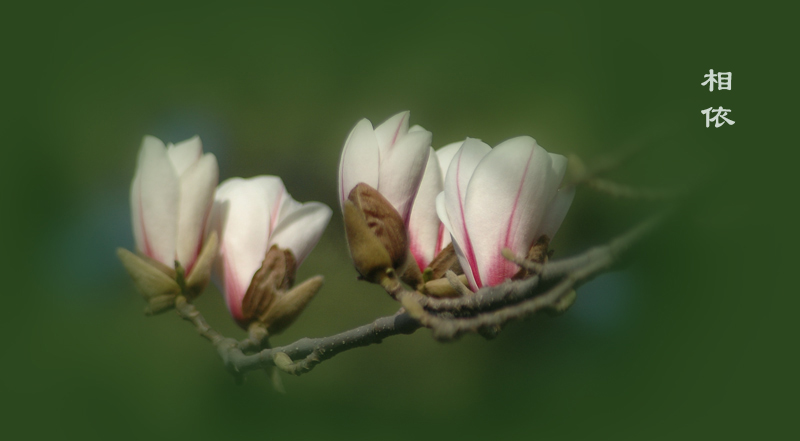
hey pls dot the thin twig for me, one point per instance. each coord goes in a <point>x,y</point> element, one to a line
<point>311,352</point>
<point>601,256</point>
<point>446,329</point>
<point>307,351</point>
<point>628,192</point>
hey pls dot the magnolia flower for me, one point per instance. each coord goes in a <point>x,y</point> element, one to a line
<point>390,159</point>
<point>379,174</point>
<point>506,197</point>
<point>427,235</point>
<point>171,196</point>
<point>251,216</point>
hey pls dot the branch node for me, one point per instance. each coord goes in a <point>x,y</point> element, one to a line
<point>490,332</point>
<point>413,308</point>
<point>529,265</point>
<point>283,361</point>
<point>457,285</point>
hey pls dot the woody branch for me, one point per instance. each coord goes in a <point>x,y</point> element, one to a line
<point>485,311</point>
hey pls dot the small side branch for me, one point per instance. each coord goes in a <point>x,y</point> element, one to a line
<point>308,352</point>
<point>489,309</point>
<point>618,190</point>
<point>491,322</point>
<point>601,257</point>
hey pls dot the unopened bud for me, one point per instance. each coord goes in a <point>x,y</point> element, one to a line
<point>282,361</point>
<point>539,250</point>
<point>151,280</point>
<point>275,275</point>
<point>288,306</point>
<point>159,304</point>
<point>447,259</point>
<point>413,308</point>
<point>443,287</point>
<point>376,234</point>
<point>563,303</point>
<point>538,253</point>
<point>411,273</point>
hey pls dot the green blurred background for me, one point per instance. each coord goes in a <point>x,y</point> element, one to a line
<point>695,338</point>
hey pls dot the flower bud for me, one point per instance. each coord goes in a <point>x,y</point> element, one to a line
<point>155,281</point>
<point>265,236</point>
<point>171,196</point>
<point>563,303</point>
<point>375,232</point>
<point>282,361</point>
<point>442,287</point>
<point>446,260</point>
<point>506,197</point>
<point>285,309</point>
<point>275,275</point>
<point>269,301</point>
<point>538,253</point>
<point>390,158</point>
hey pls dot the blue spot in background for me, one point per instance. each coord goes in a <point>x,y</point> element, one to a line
<point>605,304</point>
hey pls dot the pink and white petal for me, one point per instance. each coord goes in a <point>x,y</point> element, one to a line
<point>234,287</point>
<point>424,223</point>
<point>185,153</point>
<point>288,205</point>
<point>506,200</point>
<point>158,197</point>
<point>198,183</point>
<point>402,167</point>
<point>556,212</point>
<point>559,167</point>
<point>274,196</point>
<point>360,160</point>
<point>441,210</point>
<point>463,261</point>
<point>226,274</point>
<point>443,157</point>
<point>241,217</point>
<point>391,130</point>
<point>301,230</point>
<point>471,152</point>
<point>417,128</point>
<point>444,239</point>
<point>446,154</point>
<point>136,215</point>
<point>222,269</point>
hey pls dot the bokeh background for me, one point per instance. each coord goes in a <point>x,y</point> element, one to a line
<point>694,338</point>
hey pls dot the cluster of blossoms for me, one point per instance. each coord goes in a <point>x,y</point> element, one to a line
<point>249,233</point>
<point>409,211</point>
<point>480,200</point>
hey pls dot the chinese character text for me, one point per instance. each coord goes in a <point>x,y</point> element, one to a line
<point>719,114</point>
<point>722,79</point>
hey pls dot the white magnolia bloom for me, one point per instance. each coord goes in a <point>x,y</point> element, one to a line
<point>426,233</point>
<point>390,158</point>
<point>171,196</point>
<point>506,197</point>
<point>250,216</point>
